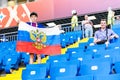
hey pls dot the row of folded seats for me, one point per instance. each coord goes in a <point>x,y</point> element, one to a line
<point>11,59</point>
<point>73,69</point>
<point>87,62</point>
<point>8,57</point>
<point>69,38</point>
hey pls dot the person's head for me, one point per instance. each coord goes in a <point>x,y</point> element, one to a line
<point>103,23</point>
<point>74,12</point>
<point>86,17</point>
<point>33,16</point>
<point>117,17</point>
<point>109,9</point>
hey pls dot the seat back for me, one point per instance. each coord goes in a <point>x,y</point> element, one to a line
<point>34,73</point>
<point>62,69</point>
<point>107,77</point>
<point>95,67</point>
<point>86,77</point>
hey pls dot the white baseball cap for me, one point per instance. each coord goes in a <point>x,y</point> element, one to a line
<point>74,11</point>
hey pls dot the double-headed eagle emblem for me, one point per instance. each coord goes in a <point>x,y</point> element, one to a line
<point>39,38</point>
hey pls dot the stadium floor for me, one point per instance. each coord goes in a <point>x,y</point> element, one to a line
<point>16,74</point>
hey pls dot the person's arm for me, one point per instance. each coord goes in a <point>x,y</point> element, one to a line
<point>96,38</point>
<point>91,23</point>
<point>40,25</point>
<point>60,28</point>
<point>113,35</point>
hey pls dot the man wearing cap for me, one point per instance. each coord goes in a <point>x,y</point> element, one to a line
<point>74,20</point>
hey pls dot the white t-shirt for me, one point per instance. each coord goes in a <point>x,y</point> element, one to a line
<point>86,24</point>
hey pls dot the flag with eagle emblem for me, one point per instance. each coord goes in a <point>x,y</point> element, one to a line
<point>38,40</point>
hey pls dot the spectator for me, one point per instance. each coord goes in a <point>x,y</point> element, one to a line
<point>110,17</point>
<point>33,17</point>
<point>74,20</point>
<point>87,27</point>
<point>103,34</point>
<point>117,20</point>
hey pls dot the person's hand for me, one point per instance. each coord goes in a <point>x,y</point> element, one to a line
<point>98,40</point>
<point>107,43</point>
<point>111,37</point>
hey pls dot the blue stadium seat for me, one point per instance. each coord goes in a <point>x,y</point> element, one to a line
<point>79,34</point>
<point>90,40</point>
<point>72,37</point>
<point>34,73</point>
<point>96,47</point>
<point>116,30</point>
<point>114,54</point>
<point>80,56</point>
<point>64,40</point>
<point>10,62</point>
<point>117,67</point>
<point>43,79</point>
<point>71,51</point>
<point>57,58</point>
<point>62,69</point>
<point>107,77</point>
<point>95,67</point>
<point>86,77</point>
<point>29,66</point>
<point>25,57</point>
<point>83,45</point>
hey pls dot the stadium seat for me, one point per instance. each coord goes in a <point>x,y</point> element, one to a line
<point>25,58</point>
<point>114,54</point>
<point>44,79</point>
<point>10,62</point>
<point>62,69</point>
<point>57,58</point>
<point>71,51</point>
<point>34,73</point>
<point>71,62</point>
<point>83,45</point>
<point>90,40</point>
<point>80,56</point>
<point>95,67</point>
<point>79,34</point>
<point>72,37</point>
<point>117,67</point>
<point>64,40</point>
<point>86,77</point>
<point>29,66</point>
<point>107,77</point>
<point>116,30</point>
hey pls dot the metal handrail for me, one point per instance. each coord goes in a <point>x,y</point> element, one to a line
<point>11,36</point>
<point>9,33</point>
<point>69,23</point>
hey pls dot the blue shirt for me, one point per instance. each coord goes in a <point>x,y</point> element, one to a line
<point>102,35</point>
<point>35,25</point>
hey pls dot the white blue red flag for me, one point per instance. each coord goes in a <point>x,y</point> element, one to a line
<point>38,40</point>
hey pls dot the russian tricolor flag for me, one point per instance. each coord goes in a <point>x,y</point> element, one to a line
<point>38,40</point>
